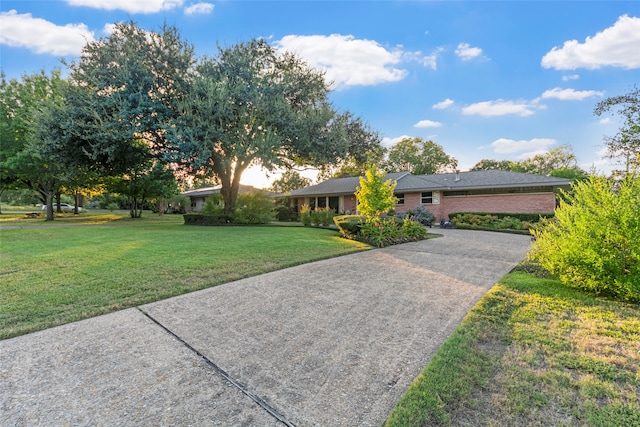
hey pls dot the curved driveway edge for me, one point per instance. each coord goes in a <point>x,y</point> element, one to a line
<point>330,343</point>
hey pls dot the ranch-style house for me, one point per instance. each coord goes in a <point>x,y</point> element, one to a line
<point>442,194</point>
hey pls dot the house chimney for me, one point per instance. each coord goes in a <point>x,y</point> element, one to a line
<point>457,175</point>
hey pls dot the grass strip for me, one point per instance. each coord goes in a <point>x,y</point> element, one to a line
<point>59,275</point>
<point>532,352</point>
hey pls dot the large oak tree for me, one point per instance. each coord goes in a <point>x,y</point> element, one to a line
<point>253,105</point>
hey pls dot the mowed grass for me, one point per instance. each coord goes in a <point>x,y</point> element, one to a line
<point>532,353</point>
<point>51,276</point>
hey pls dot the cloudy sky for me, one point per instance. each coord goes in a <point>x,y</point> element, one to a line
<point>497,80</point>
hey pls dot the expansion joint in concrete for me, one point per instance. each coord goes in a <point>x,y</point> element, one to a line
<point>264,405</point>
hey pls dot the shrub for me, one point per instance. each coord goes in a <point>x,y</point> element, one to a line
<point>284,213</point>
<point>419,214</point>
<point>253,208</point>
<point>496,221</point>
<point>380,232</point>
<point>305,215</point>
<point>349,225</point>
<point>594,241</point>
<point>322,216</point>
<point>388,231</point>
<point>207,219</point>
<point>413,230</point>
<point>213,204</point>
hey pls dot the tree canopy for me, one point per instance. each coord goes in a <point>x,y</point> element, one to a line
<point>25,106</point>
<point>123,90</point>
<point>419,157</point>
<point>560,162</point>
<point>252,105</point>
<point>626,143</point>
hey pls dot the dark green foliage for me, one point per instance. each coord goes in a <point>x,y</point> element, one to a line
<point>207,219</point>
<point>419,157</point>
<point>285,213</point>
<point>529,217</point>
<point>512,222</point>
<point>253,208</point>
<point>594,241</point>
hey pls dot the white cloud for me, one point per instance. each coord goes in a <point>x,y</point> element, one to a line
<point>130,6</point>
<point>526,147</point>
<point>442,105</point>
<point>501,107</point>
<point>570,94</point>
<point>390,142</point>
<point>347,61</point>
<point>199,9</point>
<point>467,53</point>
<point>570,77</point>
<point>604,121</point>
<point>109,28</point>
<point>41,36</point>
<point>427,124</point>
<point>429,61</point>
<point>616,46</point>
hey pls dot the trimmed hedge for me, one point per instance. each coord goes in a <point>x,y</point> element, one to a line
<point>207,219</point>
<point>349,225</point>
<point>529,217</point>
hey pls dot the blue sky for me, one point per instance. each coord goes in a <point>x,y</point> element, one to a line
<point>498,80</point>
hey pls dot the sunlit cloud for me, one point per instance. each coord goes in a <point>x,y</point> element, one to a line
<point>466,52</point>
<point>525,147</point>
<point>42,36</point>
<point>570,94</point>
<point>199,9</point>
<point>501,107</point>
<point>443,105</point>
<point>346,60</point>
<point>130,6</point>
<point>616,46</point>
<point>427,124</point>
<point>570,77</point>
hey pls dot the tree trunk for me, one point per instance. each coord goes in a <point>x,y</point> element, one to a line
<point>58,203</point>
<point>230,186</point>
<point>49,202</point>
<point>134,207</point>
<point>76,202</point>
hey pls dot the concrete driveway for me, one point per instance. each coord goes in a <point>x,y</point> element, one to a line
<point>331,343</point>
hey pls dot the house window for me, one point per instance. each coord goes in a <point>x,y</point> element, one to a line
<point>334,203</point>
<point>426,198</point>
<point>400,197</point>
<point>322,202</point>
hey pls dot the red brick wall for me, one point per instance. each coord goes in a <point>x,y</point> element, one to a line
<point>521,203</point>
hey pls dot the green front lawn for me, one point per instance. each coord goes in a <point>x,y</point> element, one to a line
<point>532,353</point>
<point>51,276</point>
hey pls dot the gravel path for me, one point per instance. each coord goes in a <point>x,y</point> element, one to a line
<point>330,343</point>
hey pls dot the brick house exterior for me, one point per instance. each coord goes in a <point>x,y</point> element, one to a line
<point>443,194</point>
